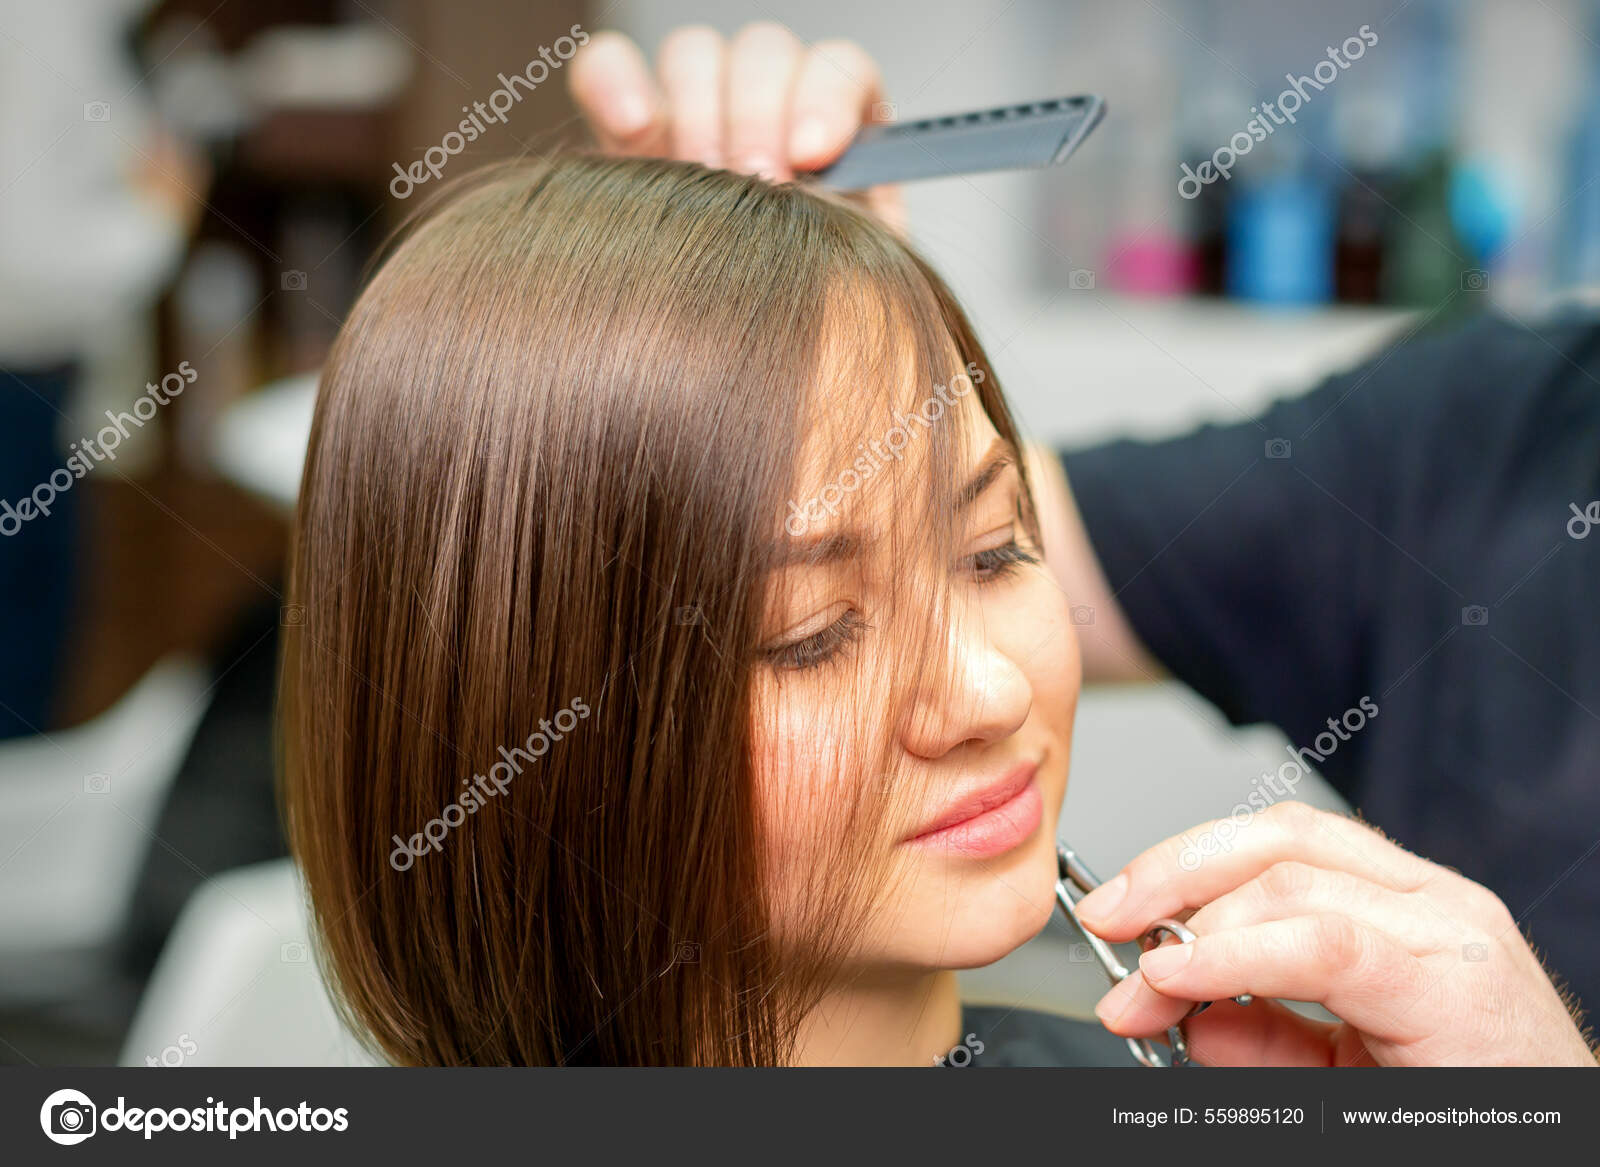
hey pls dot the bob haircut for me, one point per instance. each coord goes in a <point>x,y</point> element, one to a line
<point>554,450</point>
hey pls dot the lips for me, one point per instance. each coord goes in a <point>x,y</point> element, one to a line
<point>989,820</point>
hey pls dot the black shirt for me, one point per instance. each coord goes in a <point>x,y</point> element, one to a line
<point>1403,533</point>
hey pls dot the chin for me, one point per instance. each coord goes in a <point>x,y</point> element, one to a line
<point>1002,903</point>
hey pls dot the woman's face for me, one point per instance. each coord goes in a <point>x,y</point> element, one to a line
<point>978,748</point>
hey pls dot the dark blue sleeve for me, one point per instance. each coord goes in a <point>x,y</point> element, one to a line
<point>1286,565</point>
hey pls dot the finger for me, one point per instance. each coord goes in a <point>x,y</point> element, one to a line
<point>692,63</point>
<point>1133,1009</point>
<point>610,82</point>
<point>1341,963</point>
<point>836,92</point>
<point>1182,872</point>
<point>1263,1034</point>
<point>762,62</point>
<point>1293,888</point>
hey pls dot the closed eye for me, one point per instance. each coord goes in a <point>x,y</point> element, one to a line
<point>997,563</point>
<point>819,647</point>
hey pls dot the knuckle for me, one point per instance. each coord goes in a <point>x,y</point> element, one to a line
<point>1338,940</point>
<point>764,35</point>
<point>599,66</point>
<point>1489,908</point>
<point>1288,881</point>
<point>693,42</point>
<point>602,46</point>
<point>1294,818</point>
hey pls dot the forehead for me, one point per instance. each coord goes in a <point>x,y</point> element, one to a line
<point>875,461</point>
<point>883,389</point>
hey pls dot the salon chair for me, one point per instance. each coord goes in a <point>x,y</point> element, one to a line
<point>237,984</point>
<point>78,810</point>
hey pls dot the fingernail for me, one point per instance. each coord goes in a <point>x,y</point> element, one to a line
<point>1101,903</point>
<point>1160,963</point>
<point>630,114</point>
<point>1115,1003</point>
<point>809,139</point>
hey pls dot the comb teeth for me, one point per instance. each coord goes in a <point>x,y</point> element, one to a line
<point>1012,137</point>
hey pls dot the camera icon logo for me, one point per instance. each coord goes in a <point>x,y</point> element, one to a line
<point>884,111</point>
<point>97,783</point>
<point>1474,279</point>
<point>97,111</point>
<point>67,1117</point>
<point>1081,279</point>
<point>292,952</point>
<point>686,952</point>
<point>1279,448</point>
<point>1475,615</point>
<point>688,614</point>
<point>1082,614</point>
<point>292,615</point>
<point>294,281</point>
<point>1477,952</point>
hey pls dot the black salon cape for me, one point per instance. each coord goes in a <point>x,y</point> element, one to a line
<point>998,1035</point>
<point>1416,532</point>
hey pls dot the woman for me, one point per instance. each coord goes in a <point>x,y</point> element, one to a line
<point>681,682</point>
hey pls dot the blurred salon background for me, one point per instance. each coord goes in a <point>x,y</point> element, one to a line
<point>190,193</point>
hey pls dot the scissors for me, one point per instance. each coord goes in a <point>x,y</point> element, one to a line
<point>1074,881</point>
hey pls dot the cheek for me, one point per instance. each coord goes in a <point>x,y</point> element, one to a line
<point>805,769</point>
<point>1036,627</point>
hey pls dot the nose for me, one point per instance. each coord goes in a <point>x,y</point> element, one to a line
<point>979,695</point>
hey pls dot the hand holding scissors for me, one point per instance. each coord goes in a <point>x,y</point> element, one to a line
<point>1423,966</point>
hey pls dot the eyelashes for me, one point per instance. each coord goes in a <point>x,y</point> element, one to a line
<point>987,566</point>
<point>819,647</point>
<point>999,562</point>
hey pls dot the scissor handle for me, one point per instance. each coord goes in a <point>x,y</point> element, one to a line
<point>1075,881</point>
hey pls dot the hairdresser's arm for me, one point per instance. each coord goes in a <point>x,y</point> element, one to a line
<point>762,102</point>
<point>1425,967</point>
<point>1112,650</point>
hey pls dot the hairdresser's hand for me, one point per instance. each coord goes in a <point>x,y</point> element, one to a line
<point>1424,966</point>
<point>761,103</point>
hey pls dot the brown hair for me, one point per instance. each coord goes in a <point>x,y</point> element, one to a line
<point>550,460</point>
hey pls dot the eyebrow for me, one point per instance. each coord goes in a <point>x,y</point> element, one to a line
<point>994,463</point>
<point>836,546</point>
